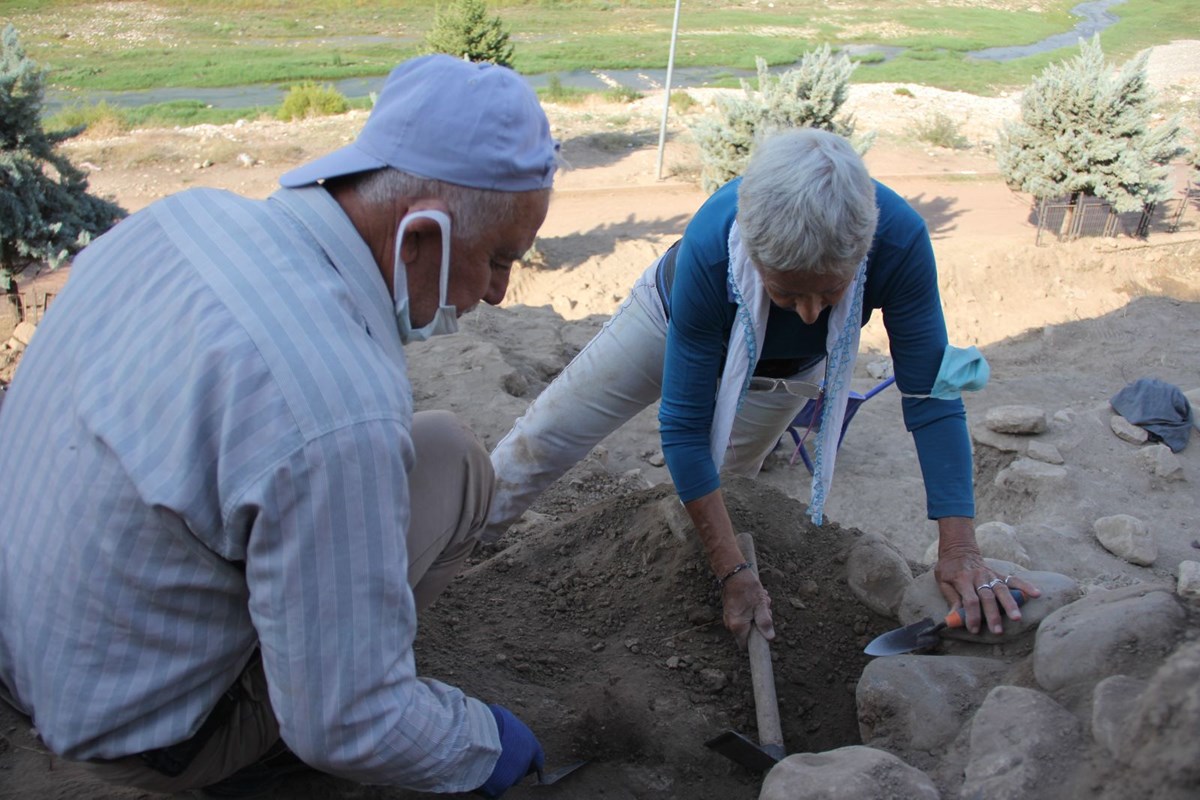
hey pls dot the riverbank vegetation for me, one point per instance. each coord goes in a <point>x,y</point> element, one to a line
<point>89,46</point>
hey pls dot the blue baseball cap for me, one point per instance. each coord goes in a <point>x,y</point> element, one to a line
<point>471,124</point>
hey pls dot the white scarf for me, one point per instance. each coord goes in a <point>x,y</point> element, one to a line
<point>745,344</point>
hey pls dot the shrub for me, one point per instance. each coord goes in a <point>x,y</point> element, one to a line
<point>808,96</point>
<point>682,102</point>
<point>941,131</point>
<point>46,213</point>
<point>1085,128</point>
<point>311,100</point>
<point>555,92</point>
<point>463,29</point>
<point>622,94</point>
<point>903,91</point>
<point>98,119</point>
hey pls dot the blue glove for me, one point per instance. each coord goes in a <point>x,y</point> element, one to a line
<point>520,754</point>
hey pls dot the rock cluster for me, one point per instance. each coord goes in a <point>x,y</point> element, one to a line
<point>1106,681</point>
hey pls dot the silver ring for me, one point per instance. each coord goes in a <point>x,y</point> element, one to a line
<point>1008,578</point>
<point>981,587</point>
<point>992,583</point>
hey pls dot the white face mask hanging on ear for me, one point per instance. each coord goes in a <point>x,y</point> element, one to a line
<point>445,319</point>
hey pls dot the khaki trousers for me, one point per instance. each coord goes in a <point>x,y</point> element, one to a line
<point>451,491</point>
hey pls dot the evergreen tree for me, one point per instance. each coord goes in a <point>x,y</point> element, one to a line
<point>46,213</point>
<point>808,96</point>
<point>463,29</point>
<point>1085,128</point>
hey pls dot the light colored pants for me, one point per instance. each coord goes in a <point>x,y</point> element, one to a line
<point>616,375</point>
<point>451,490</point>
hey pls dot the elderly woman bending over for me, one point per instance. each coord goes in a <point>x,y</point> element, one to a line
<point>736,326</point>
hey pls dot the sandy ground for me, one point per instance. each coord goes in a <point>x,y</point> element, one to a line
<point>574,619</point>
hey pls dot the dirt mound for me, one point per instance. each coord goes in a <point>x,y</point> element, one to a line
<point>602,629</point>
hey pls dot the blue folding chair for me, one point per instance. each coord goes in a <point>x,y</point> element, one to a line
<point>809,420</point>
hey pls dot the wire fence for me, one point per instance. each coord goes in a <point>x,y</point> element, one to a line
<point>28,306</point>
<point>1065,219</point>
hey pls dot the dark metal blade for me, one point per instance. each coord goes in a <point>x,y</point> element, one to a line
<point>739,749</point>
<point>555,775</point>
<point>916,636</point>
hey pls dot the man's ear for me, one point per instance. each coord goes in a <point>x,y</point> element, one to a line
<point>422,233</point>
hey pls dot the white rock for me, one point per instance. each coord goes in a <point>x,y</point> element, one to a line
<point>1159,461</point>
<point>848,773</point>
<point>1189,580</point>
<point>1113,702</point>
<point>1004,442</point>
<point>24,332</point>
<point>1021,420</point>
<point>1027,475</point>
<point>880,369</point>
<point>1124,429</point>
<point>877,574</point>
<point>1128,537</point>
<point>999,540</point>
<point>1126,631</point>
<point>1020,740</point>
<point>1044,451</point>
<point>246,160</point>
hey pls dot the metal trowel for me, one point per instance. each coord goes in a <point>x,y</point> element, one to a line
<point>924,634</point>
<point>548,777</point>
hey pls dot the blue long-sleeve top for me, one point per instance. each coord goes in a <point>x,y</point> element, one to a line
<point>901,282</point>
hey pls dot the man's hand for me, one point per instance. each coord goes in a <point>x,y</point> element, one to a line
<point>520,754</point>
<point>746,602</point>
<point>965,579</point>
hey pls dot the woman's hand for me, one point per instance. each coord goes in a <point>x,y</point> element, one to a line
<point>746,603</point>
<point>965,579</point>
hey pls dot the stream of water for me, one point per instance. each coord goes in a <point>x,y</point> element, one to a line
<point>1094,17</point>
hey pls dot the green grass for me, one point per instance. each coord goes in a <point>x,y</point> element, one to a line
<point>207,43</point>
<point>104,117</point>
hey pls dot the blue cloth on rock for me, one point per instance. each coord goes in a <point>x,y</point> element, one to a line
<point>1159,407</point>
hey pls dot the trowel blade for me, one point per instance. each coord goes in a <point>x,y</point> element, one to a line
<point>916,636</point>
<point>740,750</point>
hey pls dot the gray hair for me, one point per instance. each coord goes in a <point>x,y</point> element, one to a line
<point>807,204</point>
<point>473,210</point>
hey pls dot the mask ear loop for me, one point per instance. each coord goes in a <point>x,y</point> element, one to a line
<point>443,222</point>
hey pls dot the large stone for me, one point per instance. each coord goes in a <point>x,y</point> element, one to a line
<point>1163,738</point>
<point>1032,477</point>
<point>1044,451</point>
<point>999,540</point>
<point>1124,429</point>
<point>1018,420</point>
<point>924,599</point>
<point>1189,580</point>
<point>877,574</point>
<point>1127,537</point>
<point>1160,462</point>
<point>848,773</point>
<point>1113,703</point>
<point>1023,744</point>
<point>1119,632</point>
<point>996,540</point>
<point>1004,442</point>
<point>24,332</point>
<point>910,705</point>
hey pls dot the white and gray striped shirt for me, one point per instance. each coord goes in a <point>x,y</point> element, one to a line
<point>205,448</point>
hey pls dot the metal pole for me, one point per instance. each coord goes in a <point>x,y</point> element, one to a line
<point>662,129</point>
